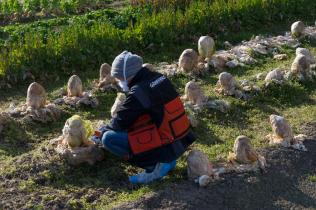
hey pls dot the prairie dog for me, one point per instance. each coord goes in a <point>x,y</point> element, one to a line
<point>74,87</point>
<point>36,96</point>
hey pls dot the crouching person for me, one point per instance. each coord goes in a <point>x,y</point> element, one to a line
<point>150,129</point>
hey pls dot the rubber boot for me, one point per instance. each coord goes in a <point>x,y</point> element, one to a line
<point>161,170</point>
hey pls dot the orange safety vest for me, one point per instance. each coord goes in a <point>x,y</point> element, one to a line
<point>144,135</point>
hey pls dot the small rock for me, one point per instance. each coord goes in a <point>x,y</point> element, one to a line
<point>204,180</point>
<point>193,121</point>
<point>247,60</point>
<point>59,101</point>
<point>275,75</point>
<point>259,76</point>
<point>228,45</point>
<point>261,49</point>
<point>220,105</point>
<point>299,146</point>
<point>282,131</point>
<point>280,57</point>
<point>232,64</point>
<point>80,155</point>
<point>163,63</point>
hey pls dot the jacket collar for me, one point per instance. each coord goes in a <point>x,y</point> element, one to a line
<point>140,76</point>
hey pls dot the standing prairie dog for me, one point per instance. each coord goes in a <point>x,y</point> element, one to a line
<point>74,87</point>
<point>36,96</point>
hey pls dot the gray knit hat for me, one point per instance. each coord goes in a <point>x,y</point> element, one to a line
<point>133,64</point>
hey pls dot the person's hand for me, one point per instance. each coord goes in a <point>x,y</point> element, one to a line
<point>96,139</point>
<point>98,135</point>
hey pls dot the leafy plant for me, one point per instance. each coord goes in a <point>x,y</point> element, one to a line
<point>83,42</point>
<point>9,7</point>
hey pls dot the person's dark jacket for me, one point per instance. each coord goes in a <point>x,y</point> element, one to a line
<point>149,91</point>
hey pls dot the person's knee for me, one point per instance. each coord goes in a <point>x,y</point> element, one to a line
<point>107,138</point>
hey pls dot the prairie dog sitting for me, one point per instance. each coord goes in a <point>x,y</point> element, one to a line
<point>120,98</point>
<point>74,87</point>
<point>194,94</point>
<point>198,165</point>
<point>188,61</point>
<point>282,131</point>
<point>300,64</point>
<point>297,29</point>
<point>75,133</point>
<point>227,85</point>
<point>206,46</point>
<point>36,96</point>
<point>244,156</point>
<point>244,151</point>
<point>303,51</point>
<point>105,76</point>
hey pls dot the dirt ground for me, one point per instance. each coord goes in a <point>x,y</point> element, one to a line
<point>289,183</point>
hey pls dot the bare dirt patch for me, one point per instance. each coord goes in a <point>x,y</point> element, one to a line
<point>288,184</point>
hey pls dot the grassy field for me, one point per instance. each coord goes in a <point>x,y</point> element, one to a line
<point>15,11</point>
<point>33,176</point>
<point>42,179</point>
<point>84,45</point>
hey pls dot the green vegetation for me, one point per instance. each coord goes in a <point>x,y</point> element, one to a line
<point>105,184</point>
<point>312,178</point>
<point>27,10</point>
<point>82,47</point>
<point>60,46</point>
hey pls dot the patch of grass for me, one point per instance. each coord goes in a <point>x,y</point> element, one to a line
<point>105,184</point>
<point>13,11</point>
<point>27,185</point>
<point>312,178</point>
<point>82,47</point>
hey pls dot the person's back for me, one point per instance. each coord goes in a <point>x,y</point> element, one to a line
<point>157,144</point>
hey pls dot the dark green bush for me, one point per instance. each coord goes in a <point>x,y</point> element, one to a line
<point>15,11</point>
<point>82,46</point>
